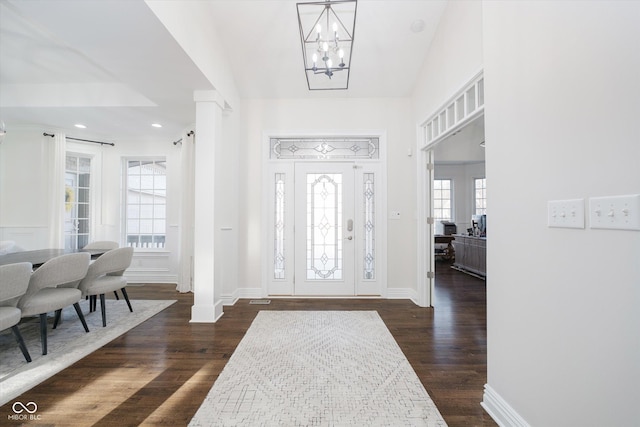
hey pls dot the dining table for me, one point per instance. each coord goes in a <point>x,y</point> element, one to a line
<point>40,256</point>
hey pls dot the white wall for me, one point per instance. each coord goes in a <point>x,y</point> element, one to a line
<point>331,116</point>
<point>562,100</point>
<point>189,22</point>
<point>24,216</point>
<point>455,56</point>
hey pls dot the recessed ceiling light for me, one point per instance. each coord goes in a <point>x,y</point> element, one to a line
<point>80,126</point>
<point>156,125</point>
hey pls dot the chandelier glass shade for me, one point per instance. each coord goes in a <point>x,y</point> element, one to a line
<point>327,29</point>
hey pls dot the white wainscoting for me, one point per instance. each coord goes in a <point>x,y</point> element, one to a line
<point>498,408</point>
<point>151,267</point>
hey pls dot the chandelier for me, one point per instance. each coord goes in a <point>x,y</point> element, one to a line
<point>326,30</point>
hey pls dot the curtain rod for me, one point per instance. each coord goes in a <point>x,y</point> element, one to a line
<point>190,133</point>
<point>83,140</point>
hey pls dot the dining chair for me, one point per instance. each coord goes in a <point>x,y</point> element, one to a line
<point>43,294</point>
<point>103,244</point>
<point>14,279</point>
<point>106,275</point>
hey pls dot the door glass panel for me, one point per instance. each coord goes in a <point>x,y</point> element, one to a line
<point>324,226</point>
<point>369,226</point>
<point>279,228</point>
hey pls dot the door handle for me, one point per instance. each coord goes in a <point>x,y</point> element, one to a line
<point>350,225</point>
<point>349,238</point>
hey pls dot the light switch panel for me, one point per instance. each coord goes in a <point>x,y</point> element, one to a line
<point>615,212</point>
<point>566,213</point>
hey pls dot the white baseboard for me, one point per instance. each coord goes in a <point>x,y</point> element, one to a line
<point>256,293</point>
<point>250,293</point>
<point>498,408</point>
<point>402,293</point>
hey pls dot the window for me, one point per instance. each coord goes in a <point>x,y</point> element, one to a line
<point>480,186</point>
<point>442,200</point>
<point>146,203</point>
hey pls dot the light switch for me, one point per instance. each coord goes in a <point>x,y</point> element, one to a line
<point>566,213</point>
<point>616,212</point>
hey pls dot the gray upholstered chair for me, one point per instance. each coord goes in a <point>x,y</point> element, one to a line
<point>43,295</point>
<point>106,275</point>
<point>102,244</point>
<point>14,279</point>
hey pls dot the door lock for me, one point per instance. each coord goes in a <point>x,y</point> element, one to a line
<point>349,238</point>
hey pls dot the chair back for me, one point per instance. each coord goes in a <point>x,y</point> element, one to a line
<point>14,279</point>
<point>67,269</point>
<point>114,262</point>
<point>102,244</point>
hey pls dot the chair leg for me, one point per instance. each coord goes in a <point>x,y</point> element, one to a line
<point>116,294</point>
<point>43,332</point>
<point>56,320</point>
<point>81,316</point>
<point>126,297</point>
<point>103,309</point>
<point>92,303</point>
<point>23,347</point>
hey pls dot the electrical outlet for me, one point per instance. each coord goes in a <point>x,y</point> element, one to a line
<point>616,212</point>
<point>566,213</point>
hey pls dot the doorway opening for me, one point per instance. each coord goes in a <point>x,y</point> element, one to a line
<point>451,159</point>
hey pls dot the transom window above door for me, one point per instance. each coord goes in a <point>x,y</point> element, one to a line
<point>325,148</point>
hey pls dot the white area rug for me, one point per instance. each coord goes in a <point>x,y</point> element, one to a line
<point>318,368</point>
<point>66,344</point>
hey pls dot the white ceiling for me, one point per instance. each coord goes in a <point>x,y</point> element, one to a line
<point>113,66</point>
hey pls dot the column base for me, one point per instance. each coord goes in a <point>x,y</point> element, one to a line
<point>206,313</point>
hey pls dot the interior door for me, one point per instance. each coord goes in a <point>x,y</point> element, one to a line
<point>324,229</point>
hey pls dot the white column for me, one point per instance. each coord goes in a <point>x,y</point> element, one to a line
<point>207,305</point>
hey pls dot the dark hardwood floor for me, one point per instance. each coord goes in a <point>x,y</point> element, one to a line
<point>159,372</point>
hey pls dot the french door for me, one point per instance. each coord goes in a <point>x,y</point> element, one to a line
<point>77,220</point>
<point>324,229</point>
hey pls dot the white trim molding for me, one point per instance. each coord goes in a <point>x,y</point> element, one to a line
<point>461,108</point>
<point>501,412</point>
<point>403,293</point>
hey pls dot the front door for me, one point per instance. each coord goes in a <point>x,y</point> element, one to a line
<point>325,229</point>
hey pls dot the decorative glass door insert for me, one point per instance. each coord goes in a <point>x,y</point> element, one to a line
<point>324,226</point>
<point>325,211</point>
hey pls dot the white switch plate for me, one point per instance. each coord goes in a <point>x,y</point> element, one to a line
<point>394,215</point>
<point>566,213</point>
<point>616,212</point>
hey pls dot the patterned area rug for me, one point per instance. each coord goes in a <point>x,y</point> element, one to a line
<point>318,368</point>
<point>66,344</point>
